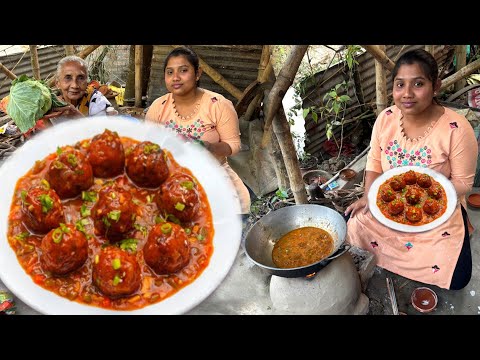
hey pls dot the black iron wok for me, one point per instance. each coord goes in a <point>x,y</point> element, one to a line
<point>269,229</point>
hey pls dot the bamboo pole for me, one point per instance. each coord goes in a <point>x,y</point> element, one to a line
<point>218,78</point>
<point>264,62</point>
<point>138,75</point>
<point>69,50</point>
<point>7,72</point>
<point>283,82</point>
<point>380,55</point>
<point>34,61</point>
<point>461,56</point>
<point>264,70</point>
<point>381,83</point>
<point>87,51</point>
<point>463,72</point>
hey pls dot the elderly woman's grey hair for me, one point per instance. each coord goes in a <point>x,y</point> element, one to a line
<point>68,59</point>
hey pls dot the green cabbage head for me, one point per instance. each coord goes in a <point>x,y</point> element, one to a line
<point>29,101</point>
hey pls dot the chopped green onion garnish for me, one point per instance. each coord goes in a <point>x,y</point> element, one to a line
<point>114,215</point>
<point>57,235</point>
<point>150,148</point>
<point>116,264</point>
<point>23,235</point>
<point>72,159</point>
<point>84,211</point>
<point>64,228</point>
<point>58,165</point>
<point>59,150</point>
<point>47,202</point>
<point>129,244</point>
<point>179,206</point>
<point>187,185</point>
<point>141,228</point>
<point>116,280</point>
<point>89,196</point>
<point>166,228</point>
<point>188,231</point>
<point>45,184</point>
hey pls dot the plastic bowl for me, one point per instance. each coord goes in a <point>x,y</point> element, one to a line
<point>424,299</point>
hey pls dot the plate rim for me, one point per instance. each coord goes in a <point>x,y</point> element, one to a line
<point>442,179</point>
<point>227,222</point>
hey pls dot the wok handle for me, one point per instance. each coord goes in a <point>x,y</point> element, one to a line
<point>346,247</point>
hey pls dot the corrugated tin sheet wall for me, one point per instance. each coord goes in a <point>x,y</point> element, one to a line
<point>20,64</point>
<point>236,63</point>
<point>326,80</point>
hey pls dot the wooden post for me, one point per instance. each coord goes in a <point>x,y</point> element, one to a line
<point>7,72</point>
<point>283,82</point>
<point>463,72</point>
<point>380,56</point>
<point>381,83</point>
<point>218,78</point>
<point>34,61</point>
<point>69,50</point>
<point>281,130</point>
<point>430,49</point>
<point>276,154</point>
<point>461,56</point>
<point>138,75</point>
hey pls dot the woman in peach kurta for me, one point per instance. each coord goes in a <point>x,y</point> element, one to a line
<point>199,114</point>
<point>417,131</point>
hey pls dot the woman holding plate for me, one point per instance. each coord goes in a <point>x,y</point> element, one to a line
<point>418,131</point>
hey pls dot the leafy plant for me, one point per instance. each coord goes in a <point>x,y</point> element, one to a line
<point>307,160</point>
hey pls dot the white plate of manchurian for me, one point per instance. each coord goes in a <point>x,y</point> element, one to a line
<point>190,210</point>
<point>412,199</point>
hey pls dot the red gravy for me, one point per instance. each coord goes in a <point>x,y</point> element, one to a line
<point>77,285</point>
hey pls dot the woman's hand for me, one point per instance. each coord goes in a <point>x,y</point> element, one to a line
<point>359,205</point>
<point>69,110</point>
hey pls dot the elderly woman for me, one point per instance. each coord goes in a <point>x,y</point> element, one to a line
<point>83,100</point>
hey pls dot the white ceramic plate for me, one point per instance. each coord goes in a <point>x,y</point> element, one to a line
<point>447,185</point>
<point>221,195</point>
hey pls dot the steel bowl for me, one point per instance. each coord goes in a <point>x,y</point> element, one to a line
<point>262,237</point>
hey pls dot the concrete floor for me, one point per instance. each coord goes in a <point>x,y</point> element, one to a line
<point>450,302</point>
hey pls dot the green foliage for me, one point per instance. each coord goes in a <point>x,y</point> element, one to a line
<point>334,105</point>
<point>350,53</point>
<point>281,194</point>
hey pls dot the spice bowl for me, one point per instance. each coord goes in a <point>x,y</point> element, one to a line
<point>424,299</point>
<point>347,174</point>
<point>474,200</point>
